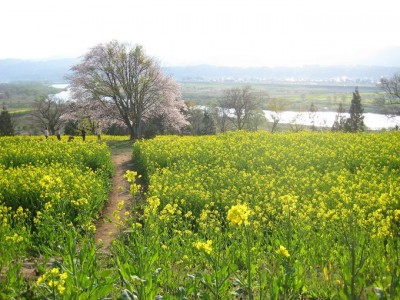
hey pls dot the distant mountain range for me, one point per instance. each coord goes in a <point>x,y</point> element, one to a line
<point>35,70</point>
<point>361,74</point>
<point>383,64</point>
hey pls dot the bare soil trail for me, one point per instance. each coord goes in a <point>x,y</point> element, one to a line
<point>107,225</point>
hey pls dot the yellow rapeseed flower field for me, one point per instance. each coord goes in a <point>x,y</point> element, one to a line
<point>332,199</point>
<point>47,185</point>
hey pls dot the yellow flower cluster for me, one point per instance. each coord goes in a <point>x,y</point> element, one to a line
<point>131,177</point>
<point>107,137</point>
<point>90,227</point>
<point>282,251</point>
<point>152,206</point>
<point>210,218</point>
<point>204,246</point>
<point>80,202</point>
<point>15,238</point>
<point>239,215</point>
<point>170,212</point>
<point>54,280</point>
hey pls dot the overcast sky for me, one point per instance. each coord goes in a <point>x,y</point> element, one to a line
<point>219,32</point>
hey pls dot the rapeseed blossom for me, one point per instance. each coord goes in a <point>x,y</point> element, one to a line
<point>131,176</point>
<point>239,215</point>
<point>204,246</point>
<point>80,202</point>
<point>282,251</point>
<point>54,279</point>
<point>168,212</point>
<point>152,206</point>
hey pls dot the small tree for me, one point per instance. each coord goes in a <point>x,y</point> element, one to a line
<point>6,124</point>
<point>312,114</point>
<point>220,115</point>
<point>194,116</point>
<point>257,119</point>
<point>297,123</point>
<point>208,124</point>
<point>356,121</point>
<point>48,112</point>
<point>276,108</point>
<point>391,89</point>
<point>241,104</point>
<point>201,122</point>
<point>340,119</point>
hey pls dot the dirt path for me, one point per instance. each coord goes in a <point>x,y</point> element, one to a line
<point>107,226</point>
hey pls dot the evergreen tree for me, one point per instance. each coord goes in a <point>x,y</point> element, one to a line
<point>356,121</point>
<point>208,124</point>
<point>6,125</point>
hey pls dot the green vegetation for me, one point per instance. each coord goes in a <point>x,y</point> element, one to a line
<point>6,124</point>
<point>17,96</point>
<point>118,146</point>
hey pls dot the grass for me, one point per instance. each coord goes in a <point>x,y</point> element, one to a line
<point>117,147</point>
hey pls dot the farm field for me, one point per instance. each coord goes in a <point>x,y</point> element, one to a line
<point>294,96</point>
<point>308,215</point>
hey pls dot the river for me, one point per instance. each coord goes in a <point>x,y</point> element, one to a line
<point>322,118</point>
<point>327,118</point>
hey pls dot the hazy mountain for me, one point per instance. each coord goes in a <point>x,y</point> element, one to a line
<point>307,73</point>
<point>382,64</point>
<point>52,70</point>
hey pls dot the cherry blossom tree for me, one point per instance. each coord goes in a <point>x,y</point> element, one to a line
<point>130,84</point>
